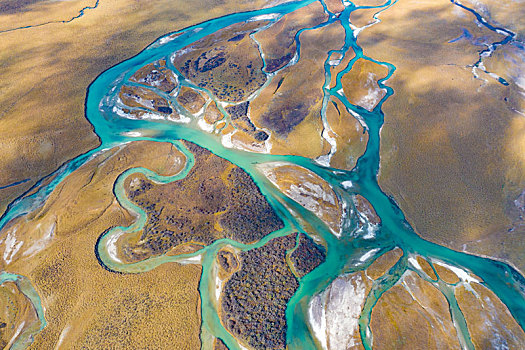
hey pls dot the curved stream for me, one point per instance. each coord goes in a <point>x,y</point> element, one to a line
<point>24,339</point>
<point>344,254</point>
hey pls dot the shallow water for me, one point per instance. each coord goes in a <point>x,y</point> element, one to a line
<point>343,254</point>
<point>24,285</point>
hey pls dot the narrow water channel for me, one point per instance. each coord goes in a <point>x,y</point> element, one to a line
<point>344,253</point>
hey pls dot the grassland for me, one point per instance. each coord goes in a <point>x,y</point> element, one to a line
<point>86,305</point>
<point>46,70</point>
<point>452,145</point>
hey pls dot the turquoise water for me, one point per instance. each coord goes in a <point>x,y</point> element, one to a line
<point>342,253</point>
<point>24,285</point>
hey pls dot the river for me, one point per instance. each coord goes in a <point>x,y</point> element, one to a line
<point>343,253</point>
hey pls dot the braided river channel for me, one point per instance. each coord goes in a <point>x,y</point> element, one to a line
<point>353,250</point>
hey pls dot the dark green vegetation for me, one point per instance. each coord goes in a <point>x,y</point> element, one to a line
<point>307,256</point>
<point>263,304</point>
<point>226,63</point>
<point>224,203</point>
<point>219,345</point>
<point>3,343</point>
<point>255,297</point>
<point>227,261</point>
<point>239,118</point>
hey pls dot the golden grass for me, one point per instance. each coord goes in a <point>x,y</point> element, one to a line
<point>450,149</point>
<point>40,12</point>
<point>419,319</point>
<point>292,111</point>
<point>349,135</point>
<point>384,263</point>
<point>489,321</point>
<point>360,84</point>
<point>17,314</point>
<point>425,266</point>
<point>46,70</point>
<point>86,305</point>
<point>308,189</point>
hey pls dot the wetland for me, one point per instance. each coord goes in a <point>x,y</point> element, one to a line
<point>248,192</point>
